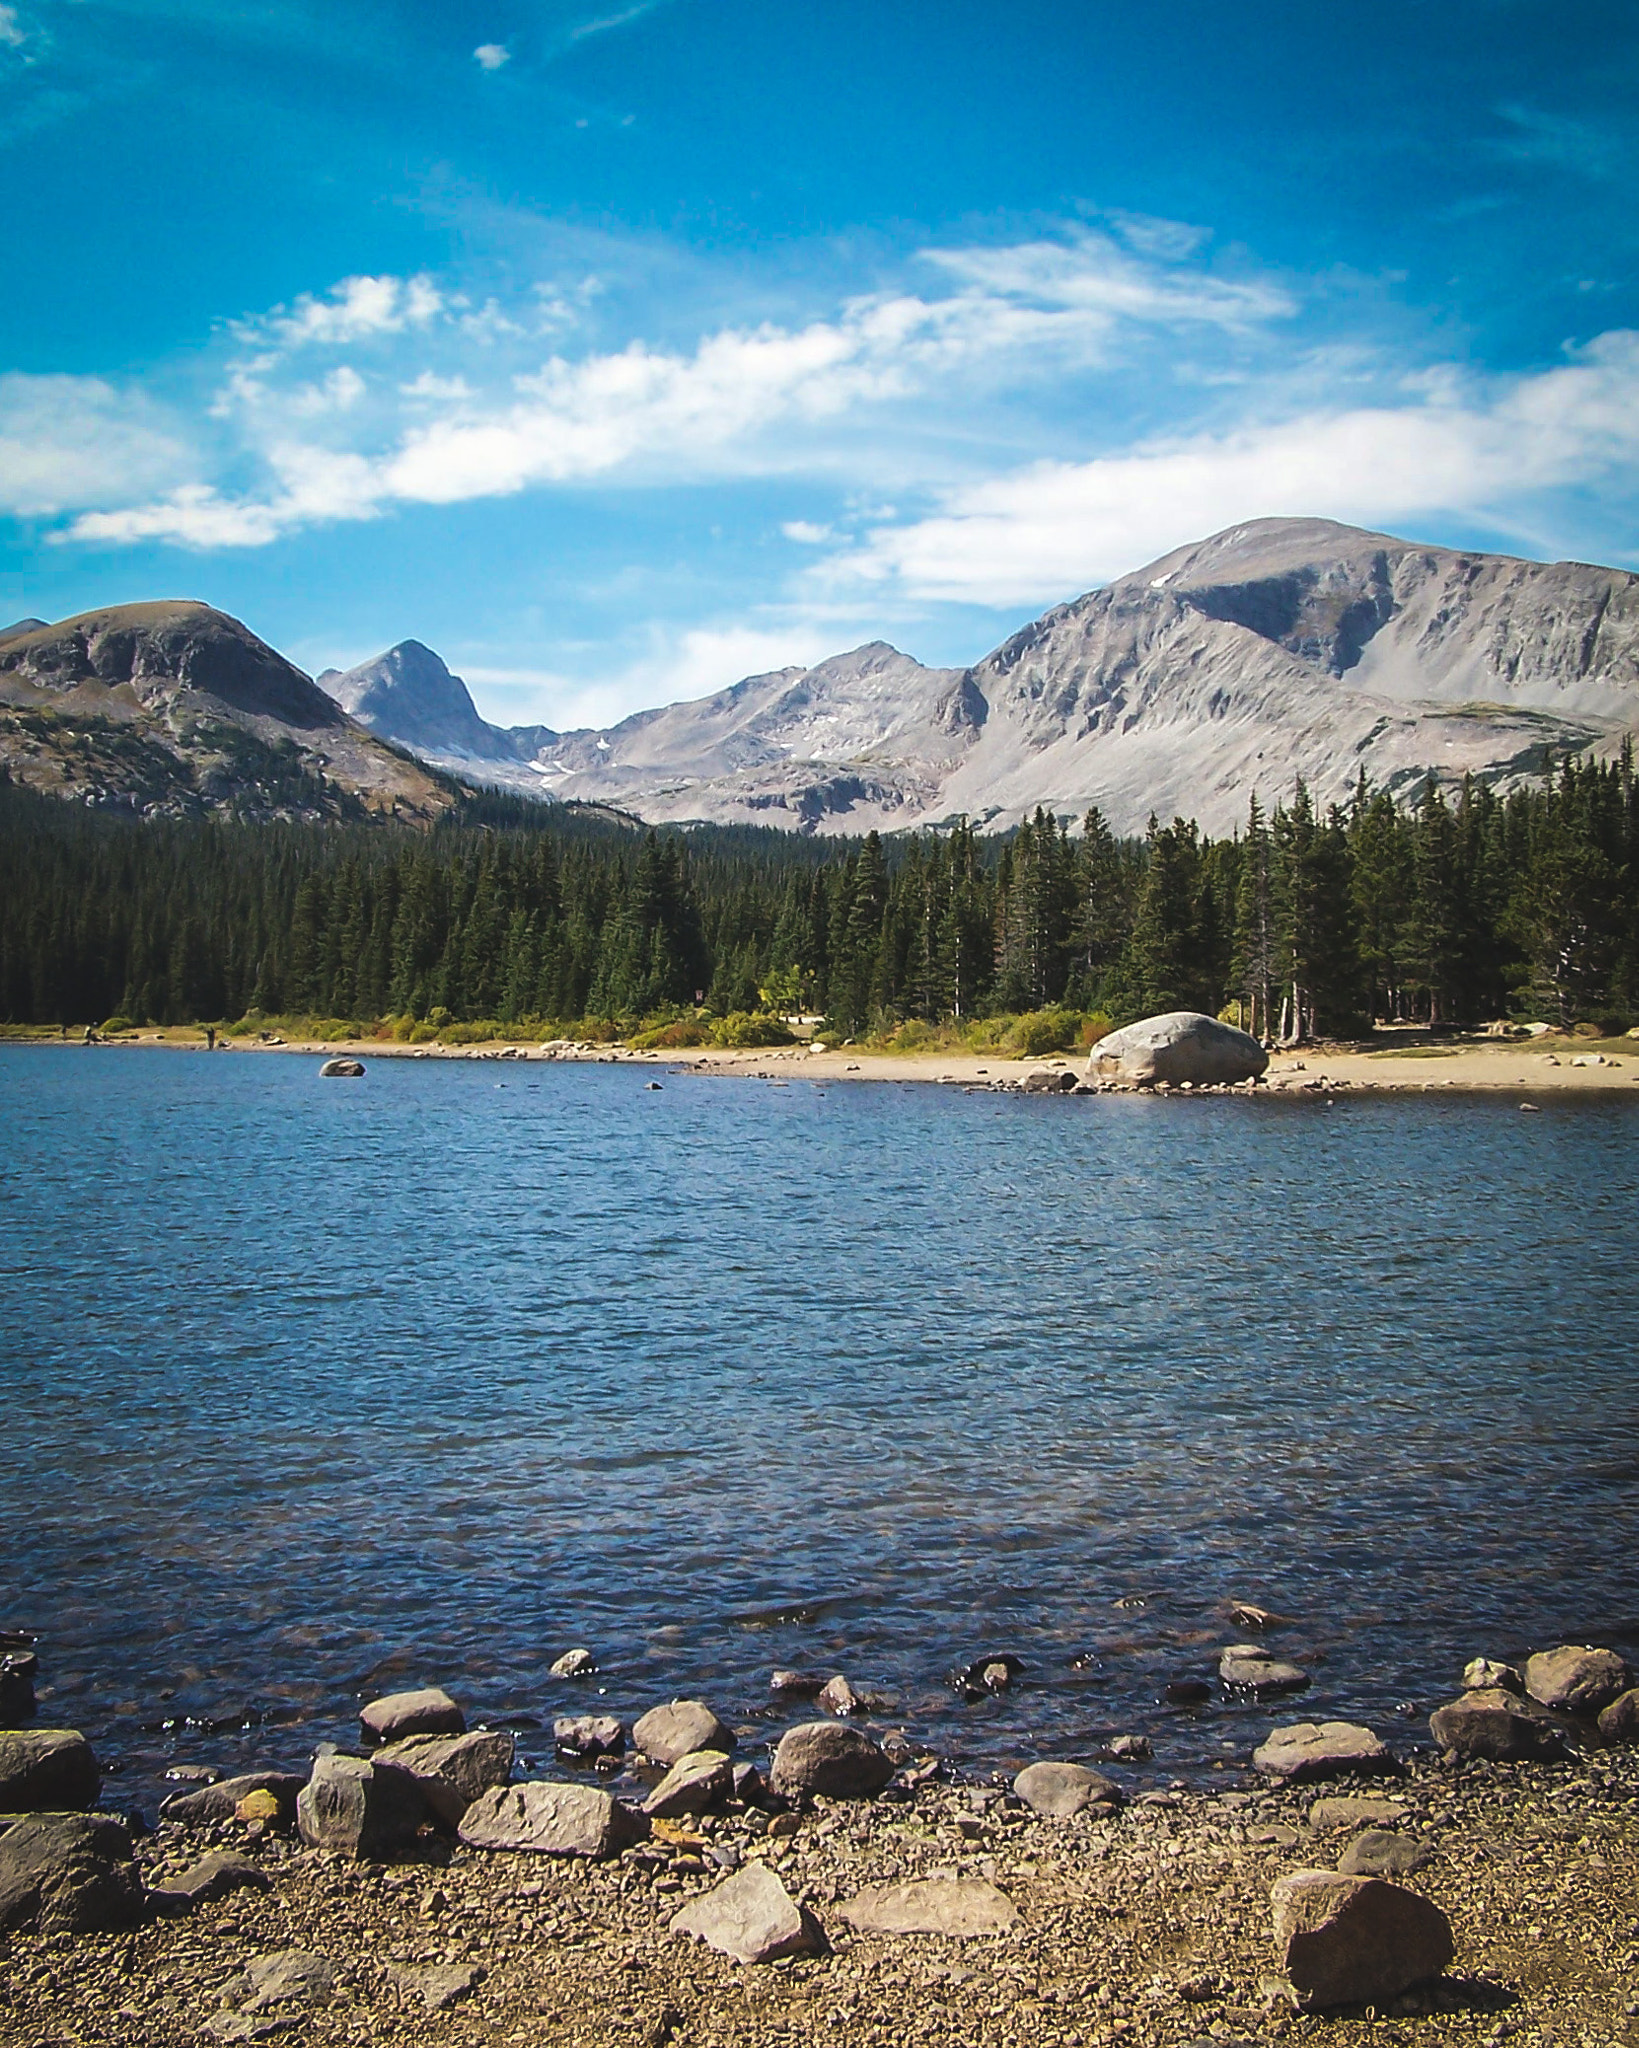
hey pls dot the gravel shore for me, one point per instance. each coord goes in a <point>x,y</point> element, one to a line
<point>1151,1925</point>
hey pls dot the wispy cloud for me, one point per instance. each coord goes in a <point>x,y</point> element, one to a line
<point>1569,142</point>
<point>759,399</point>
<point>491,56</point>
<point>67,442</point>
<point>12,33</point>
<point>601,24</point>
<point>1480,449</point>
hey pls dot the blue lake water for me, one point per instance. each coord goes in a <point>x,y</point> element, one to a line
<point>314,1390</point>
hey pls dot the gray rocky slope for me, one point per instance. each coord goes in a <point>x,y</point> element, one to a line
<point>1280,648</point>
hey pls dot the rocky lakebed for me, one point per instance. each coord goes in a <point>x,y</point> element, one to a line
<point>672,1883</point>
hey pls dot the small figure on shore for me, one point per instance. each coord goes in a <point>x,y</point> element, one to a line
<point>210,1038</point>
<point>91,1035</point>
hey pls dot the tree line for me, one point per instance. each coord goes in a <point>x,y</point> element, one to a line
<point>1455,906</point>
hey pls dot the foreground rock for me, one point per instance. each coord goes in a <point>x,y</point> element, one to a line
<point>68,1873</point>
<point>45,1769</point>
<point>1249,1667</point>
<point>1308,1750</point>
<point>550,1820</point>
<point>1495,1724</point>
<point>1352,1810</point>
<point>679,1729</point>
<point>450,1770</point>
<point>1355,1940</point>
<point>1380,1852</point>
<point>211,1805</point>
<point>212,1877</point>
<point>429,1711</point>
<point>437,1985</point>
<point>352,1807</point>
<point>1576,1679</point>
<point>588,1736</point>
<point>1182,1045</point>
<point>1060,1791</point>
<point>830,1758</point>
<point>694,1784</point>
<point>751,1917</point>
<point>1620,1720</point>
<point>292,1976</point>
<point>960,1907</point>
<point>1485,1674</point>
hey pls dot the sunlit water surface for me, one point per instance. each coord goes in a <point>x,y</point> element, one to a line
<point>318,1389</point>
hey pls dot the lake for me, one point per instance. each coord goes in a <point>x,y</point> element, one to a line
<point>315,1390</point>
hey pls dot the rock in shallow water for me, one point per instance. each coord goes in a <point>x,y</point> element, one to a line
<point>574,1664</point>
<point>587,1736</point>
<point>1355,1940</point>
<point>68,1873</point>
<point>679,1729</point>
<point>1182,1045</point>
<point>752,1917</point>
<point>1308,1750</point>
<point>46,1769</point>
<point>1485,1674</point>
<point>428,1711</point>
<point>831,1758</point>
<point>1249,1667</point>
<point>1576,1679</point>
<point>1059,1791</point>
<point>962,1908</point>
<point>551,1820</point>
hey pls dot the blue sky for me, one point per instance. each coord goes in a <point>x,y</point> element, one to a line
<point>617,351</point>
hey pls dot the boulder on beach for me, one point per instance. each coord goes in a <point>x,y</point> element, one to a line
<point>680,1728</point>
<point>46,1769</point>
<point>1619,1722</point>
<point>354,1807</point>
<point>68,1873</point>
<point>1355,1940</point>
<point>1354,1810</point>
<point>831,1758</point>
<point>1576,1678</point>
<point>451,1770</point>
<point>1307,1750</point>
<point>1182,1045</point>
<point>212,1877</point>
<point>551,1820</point>
<point>694,1784</point>
<point>958,1907</point>
<point>1383,1852</point>
<point>1498,1725</point>
<point>427,1711</point>
<point>751,1917</point>
<point>1060,1791</point>
<point>210,1805</point>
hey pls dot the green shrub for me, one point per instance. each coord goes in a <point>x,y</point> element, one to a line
<point>117,1024</point>
<point>740,1029</point>
<point>668,1037</point>
<point>1044,1031</point>
<point>423,1034</point>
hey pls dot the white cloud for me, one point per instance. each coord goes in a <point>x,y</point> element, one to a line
<point>676,666</point>
<point>356,308</point>
<point>72,441</point>
<point>12,33</point>
<point>491,56</point>
<point>1052,528</point>
<point>807,534</point>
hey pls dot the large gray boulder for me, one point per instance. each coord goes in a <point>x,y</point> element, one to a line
<point>1620,1720</point>
<point>959,1907</point>
<point>46,1769</point>
<point>353,1807</point>
<point>68,1873</point>
<point>1496,1724</point>
<point>1305,1751</point>
<point>1355,1940</point>
<point>551,1820</point>
<point>1577,1679</point>
<point>1183,1045</point>
<point>451,1770</point>
<point>212,1877</point>
<point>832,1758</point>
<point>694,1784</point>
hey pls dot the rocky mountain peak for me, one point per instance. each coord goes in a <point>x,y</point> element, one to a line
<point>409,695</point>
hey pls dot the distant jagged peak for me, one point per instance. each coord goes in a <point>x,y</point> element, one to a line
<point>409,694</point>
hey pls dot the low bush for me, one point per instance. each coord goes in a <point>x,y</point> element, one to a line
<point>682,1031</point>
<point>740,1029</point>
<point>1044,1031</point>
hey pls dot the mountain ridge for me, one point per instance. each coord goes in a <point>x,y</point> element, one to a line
<point>1276,648</point>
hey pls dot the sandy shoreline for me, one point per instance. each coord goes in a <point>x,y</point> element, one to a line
<point>1525,1068</point>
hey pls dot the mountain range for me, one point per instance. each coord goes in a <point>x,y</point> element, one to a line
<point>1280,648</point>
